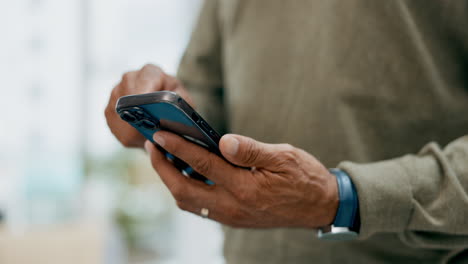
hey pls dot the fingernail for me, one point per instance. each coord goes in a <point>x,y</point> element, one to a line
<point>148,145</point>
<point>158,139</point>
<point>232,145</point>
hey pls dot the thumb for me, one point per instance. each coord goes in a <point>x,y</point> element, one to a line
<point>246,152</point>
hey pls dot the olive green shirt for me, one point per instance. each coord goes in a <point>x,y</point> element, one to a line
<point>377,88</point>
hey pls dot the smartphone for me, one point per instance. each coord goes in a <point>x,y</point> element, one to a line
<point>166,110</point>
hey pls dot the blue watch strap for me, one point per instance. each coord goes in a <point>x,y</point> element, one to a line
<point>348,206</point>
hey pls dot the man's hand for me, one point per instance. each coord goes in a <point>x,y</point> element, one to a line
<point>287,187</point>
<point>149,79</point>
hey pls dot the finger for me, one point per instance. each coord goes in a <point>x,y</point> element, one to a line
<point>222,208</point>
<point>192,195</point>
<point>149,79</point>
<point>200,159</point>
<point>123,131</point>
<point>247,152</point>
<point>172,84</point>
<point>127,84</point>
<point>180,186</point>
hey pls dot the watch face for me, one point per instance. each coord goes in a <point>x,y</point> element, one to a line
<point>336,234</point>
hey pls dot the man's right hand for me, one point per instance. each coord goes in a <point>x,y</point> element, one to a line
<point>149,79</point>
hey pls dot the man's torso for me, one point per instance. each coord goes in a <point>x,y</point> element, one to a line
<point>356,80</point>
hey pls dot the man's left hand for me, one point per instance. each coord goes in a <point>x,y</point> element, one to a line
<point>286,187</point>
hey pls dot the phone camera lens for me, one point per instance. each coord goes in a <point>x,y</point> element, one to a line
<point>148,124</point>
<point>138,111</point>
<point>128,117</point>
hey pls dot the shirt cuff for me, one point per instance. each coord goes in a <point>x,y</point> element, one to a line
<point>385,192</point>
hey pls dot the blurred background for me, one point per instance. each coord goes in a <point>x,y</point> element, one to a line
<point>69,193</point>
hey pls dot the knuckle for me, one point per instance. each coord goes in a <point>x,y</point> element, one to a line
<point>127,142</point>
<point>244,195</point>
<point>126,136</point>
<point>150,73</point>
<point>182,205</point>
<point>150,67</point>
<point>288,155</point>
<point>162,78</point>
<point>126,80</point>
<point>108,112</point>
<point>172,83</point>
<point>125,77</point>
<point>115,91</point>
<point>147,66</point>
<point>203,165</point>
<point>179,193</point>
<point>252,154</point>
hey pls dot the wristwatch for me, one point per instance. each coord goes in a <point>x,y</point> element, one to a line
<point>347,221</point>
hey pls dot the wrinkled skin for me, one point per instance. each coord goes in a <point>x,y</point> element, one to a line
<point>286,187</point>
